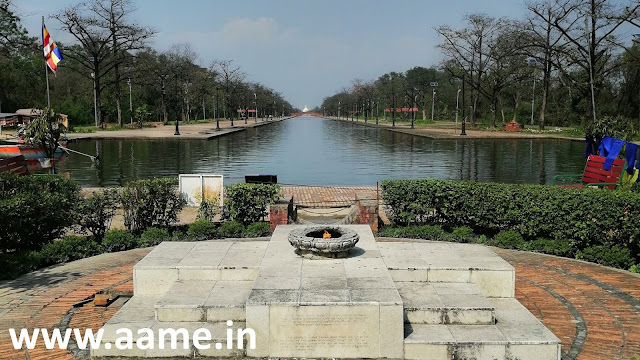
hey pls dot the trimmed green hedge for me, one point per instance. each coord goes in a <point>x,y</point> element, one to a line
<point>35,210</point>
<point>247,203</point>
<point>589,217</point>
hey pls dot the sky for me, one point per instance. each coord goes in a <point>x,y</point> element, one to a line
<point>304,49</point>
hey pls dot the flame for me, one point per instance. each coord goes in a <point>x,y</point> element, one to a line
<point>326,235</point>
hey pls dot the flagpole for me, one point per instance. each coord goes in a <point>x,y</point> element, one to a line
<point>46,71</point>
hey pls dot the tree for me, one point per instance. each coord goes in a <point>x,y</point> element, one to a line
<point>44,131</point>
<point>231,78</point>
<point>543,43</point>
<point>103,37</point>
<point>589,28</point>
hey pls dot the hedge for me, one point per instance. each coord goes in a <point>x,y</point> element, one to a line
<point>247,203</point>
<point>35,210</point>
<point>151,203</point>
<point>589,217</point>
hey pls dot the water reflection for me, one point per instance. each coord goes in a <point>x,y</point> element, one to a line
<point>322,152</point>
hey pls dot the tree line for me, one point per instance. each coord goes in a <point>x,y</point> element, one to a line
<point>580,56</point>
<point>111,58</point>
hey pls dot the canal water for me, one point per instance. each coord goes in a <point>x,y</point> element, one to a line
<point>314,151</point>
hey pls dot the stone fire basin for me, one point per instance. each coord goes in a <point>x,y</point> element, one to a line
<point>309,242</point>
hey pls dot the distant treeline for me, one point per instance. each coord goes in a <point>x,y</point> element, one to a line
<point>581,54</point>
<point>110,52</point>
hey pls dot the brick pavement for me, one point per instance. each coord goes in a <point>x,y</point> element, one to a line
<point>325,196</point>
<point>594,310</point>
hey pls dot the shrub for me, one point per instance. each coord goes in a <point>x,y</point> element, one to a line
<point>559,247</point>
<point>97,211</point>
<point>118,240</point>
<point>247,203</point>
<point>608,255</point>
<point>462,234</point>
<point>69,248</point>
<point>635,269</point>
<point>482,239</point>
<point>202,229</point>
<point>257,229</point>
<point>151,203</point>
<point>15,264</point>
<point>508,239</point>
<point>35,210</point>
<point>208,209</point>
<point>587,216</point>
<point>231,229</point>
<point>153,236</point>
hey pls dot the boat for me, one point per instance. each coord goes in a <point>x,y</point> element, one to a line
<point>35,156</point>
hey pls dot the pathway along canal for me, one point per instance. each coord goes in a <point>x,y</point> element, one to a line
<point>314,151</point>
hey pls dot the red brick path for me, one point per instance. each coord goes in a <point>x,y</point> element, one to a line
<point>319,196</point>
<point>594,310</point>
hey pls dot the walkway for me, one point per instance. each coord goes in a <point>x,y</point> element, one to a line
<point>187,132</point>
<point>594,310</point>
<point>448,130</point>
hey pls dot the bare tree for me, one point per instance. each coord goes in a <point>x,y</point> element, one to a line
<point>589,29</point>
<point>124,35</point>
<point>104,37</point>
<point>231,78</point>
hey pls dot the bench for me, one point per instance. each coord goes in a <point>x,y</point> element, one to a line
<point>594,175</point>
<point>16,165</point>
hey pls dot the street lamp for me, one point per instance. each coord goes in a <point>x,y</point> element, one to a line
<point>533,62</point>
<point>338,110</point>
<point>377,109</point>
<point>217,117</point>
<point>130,101</point>
<point>413,106</point>
<point>458,80</point>
<point>464,119</point>
<point>255,108</point>
<point>434,85</point>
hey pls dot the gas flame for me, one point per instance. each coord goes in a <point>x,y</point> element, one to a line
<point>326,235</point>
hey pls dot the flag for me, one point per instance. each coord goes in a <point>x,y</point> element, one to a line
<point>52,54</point>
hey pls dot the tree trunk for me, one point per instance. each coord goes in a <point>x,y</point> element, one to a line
<point>116,74</point>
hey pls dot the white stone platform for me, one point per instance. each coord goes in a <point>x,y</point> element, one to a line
<point>413,300</point>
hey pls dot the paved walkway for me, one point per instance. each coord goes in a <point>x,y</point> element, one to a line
<point>187,132</point>
<point>594,310</point>
<point>449,131</point>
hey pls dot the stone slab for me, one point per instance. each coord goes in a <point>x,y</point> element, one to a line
<point>331,308</point>
<point>445,303</point>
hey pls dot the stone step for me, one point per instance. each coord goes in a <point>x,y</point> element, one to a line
<point>203,300</point>
<point>427,261</point>
<point>138,314</point>
<point>517,334</point>
<point>205,261</point>
<point>444,303</point>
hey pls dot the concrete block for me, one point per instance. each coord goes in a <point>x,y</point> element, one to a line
<point>499,284</point>
<point>153,281</point>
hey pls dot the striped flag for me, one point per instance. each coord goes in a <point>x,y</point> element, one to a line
<point>52,54</point>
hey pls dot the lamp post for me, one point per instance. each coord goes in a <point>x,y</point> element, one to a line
<point>338,110</point>
<point>533,62</point>
<point>377,109</point>
<point>130,101</point>
<point>413,106</point>
<point>95,100</point>
<point>217,117</point>
<point>464,119</point>
<point>457,100</point>
<point>434,85</point>
<point>273,111</point>
<point>255,108</point>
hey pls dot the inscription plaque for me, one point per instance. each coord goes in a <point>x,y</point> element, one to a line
<point>325,331</point>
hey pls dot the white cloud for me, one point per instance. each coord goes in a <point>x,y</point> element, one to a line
<point>244,29</point>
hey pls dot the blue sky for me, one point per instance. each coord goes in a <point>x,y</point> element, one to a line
<point>304,49</point>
